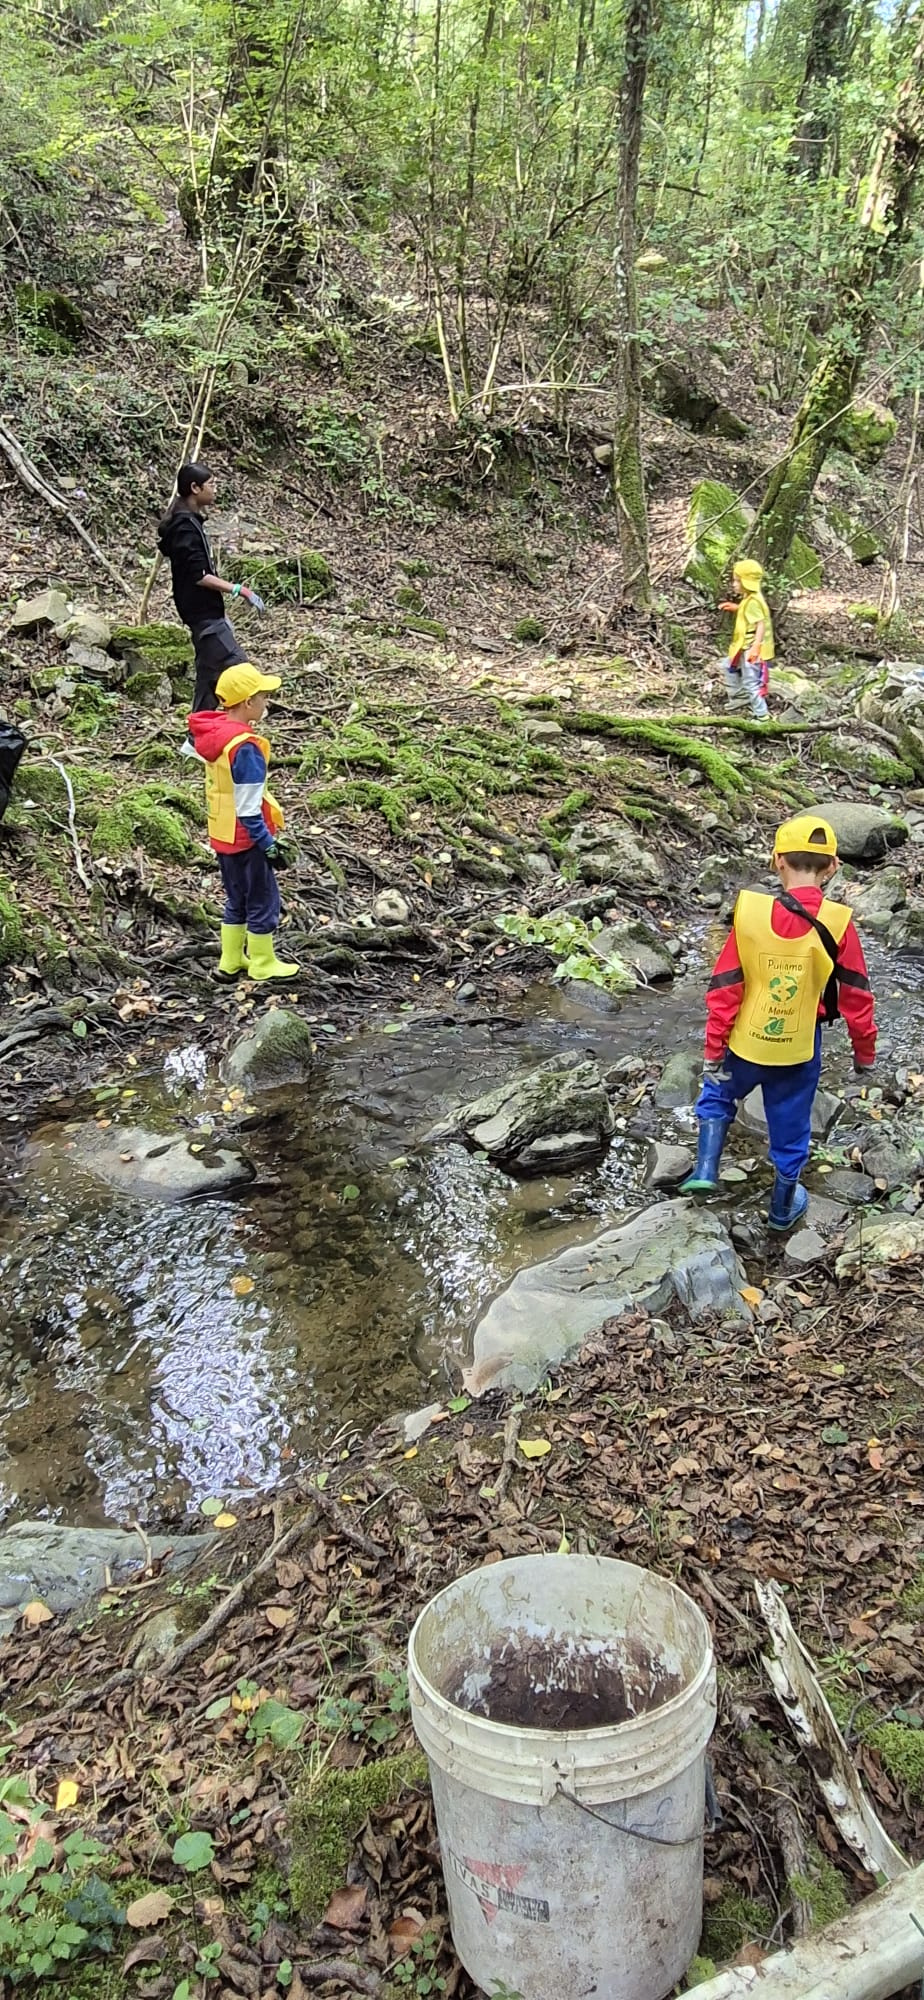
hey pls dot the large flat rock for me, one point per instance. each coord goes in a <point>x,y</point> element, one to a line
<point>63,1566</point>
<point>157,1166</point>
<point>673,1250</point>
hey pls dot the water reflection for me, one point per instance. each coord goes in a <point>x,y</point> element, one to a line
<point>138,1381</point>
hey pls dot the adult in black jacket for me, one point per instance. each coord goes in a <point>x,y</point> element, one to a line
<point>197,592</point>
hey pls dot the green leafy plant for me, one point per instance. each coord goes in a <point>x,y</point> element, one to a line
<point>416,1973</point>
<point>51,1910</point>
<point>572,943</point>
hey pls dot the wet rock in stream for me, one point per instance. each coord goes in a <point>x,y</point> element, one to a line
<point>63,1566</point>
<point>154,1166</point>
<point>555,1117</point>
<point>278,1049</point>
<point>673,1250</point>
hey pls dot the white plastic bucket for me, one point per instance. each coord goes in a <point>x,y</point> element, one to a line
<point>573,1856</point>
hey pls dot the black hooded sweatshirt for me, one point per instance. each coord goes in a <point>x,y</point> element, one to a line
<point>182,539</point>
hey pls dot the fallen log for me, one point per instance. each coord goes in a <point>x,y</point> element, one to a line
<point>870,1954</point>
<point>792,1674</point>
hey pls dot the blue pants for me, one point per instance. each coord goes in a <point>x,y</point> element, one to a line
<point>251,890</point>
<point>788,1093</point>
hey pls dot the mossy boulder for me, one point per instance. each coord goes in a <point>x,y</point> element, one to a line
<point>865,432</point>
<point>430,628</point>
<point>152,817</point>
<point>161,649</point>
<point>48,321</point>
<point>149,689</point>
<point>278,1050</point>
<point>303,578</point>
<point>327,1815</point>
<point>716,527</point>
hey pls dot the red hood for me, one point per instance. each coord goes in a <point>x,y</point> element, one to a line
<point>211,731</point>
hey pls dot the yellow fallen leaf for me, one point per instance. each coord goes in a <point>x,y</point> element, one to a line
<point>149,1909</point>
<point>534,1447</point>
<point>241,1285</point>
<point>412,1453</point>
<point>226,1520</point>
<point>36,1613</point>
<point>278,1616</point>
<point>751,1294</point>
<point>66,1795</point>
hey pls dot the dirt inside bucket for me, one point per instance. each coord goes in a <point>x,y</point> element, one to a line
<point>532,1683</point>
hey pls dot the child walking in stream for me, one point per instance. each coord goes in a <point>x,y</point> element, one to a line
<point>747,668</point>
<point>789,963</point>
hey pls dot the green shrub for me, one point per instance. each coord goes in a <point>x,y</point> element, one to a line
<point>528,632</point>
<point>303,578</point>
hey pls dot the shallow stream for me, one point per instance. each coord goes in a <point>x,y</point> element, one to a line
<point>137,1380</point>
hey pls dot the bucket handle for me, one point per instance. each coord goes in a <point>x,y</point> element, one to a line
<point>713,1817</point>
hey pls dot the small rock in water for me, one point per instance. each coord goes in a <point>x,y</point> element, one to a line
<point>825,1111</point>
<point>680,1080</point>
<point>279,1049</point>
<point>557,1116</point>
<point>893,1166</point>
<point>390,907</point>
<point>853,1189</point>
<point>668,1165</point>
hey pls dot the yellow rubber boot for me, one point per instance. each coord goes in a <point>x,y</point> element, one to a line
<point>262,962</point>
<point>232,960</point>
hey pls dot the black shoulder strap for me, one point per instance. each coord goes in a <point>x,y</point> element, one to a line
<point>830,1000</point>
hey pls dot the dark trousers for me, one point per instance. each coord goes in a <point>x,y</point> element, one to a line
<point>251,890</point>
<point>216,648</point>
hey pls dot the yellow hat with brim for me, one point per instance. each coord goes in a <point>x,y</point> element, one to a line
<point>237,684</point>
<point>749,574</point>
<point>808,834</point>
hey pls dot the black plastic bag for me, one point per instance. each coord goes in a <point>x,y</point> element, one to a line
<point>12,745</point>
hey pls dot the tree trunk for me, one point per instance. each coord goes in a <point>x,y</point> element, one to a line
<point>825,62</point>
<point>881,230</point>
<point>628,470</point>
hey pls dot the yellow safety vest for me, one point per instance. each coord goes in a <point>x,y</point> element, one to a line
<point>219,792</point>
<point>784,979</point>
<point>751,610</point>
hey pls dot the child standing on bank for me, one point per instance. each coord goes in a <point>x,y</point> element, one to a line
<point>789,963</point>
<point>747,668</point>
<point>243,820</point>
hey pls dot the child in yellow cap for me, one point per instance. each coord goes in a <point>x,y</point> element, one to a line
<point>244,820</point>
<point>789,963</point>
<point>747,669</point>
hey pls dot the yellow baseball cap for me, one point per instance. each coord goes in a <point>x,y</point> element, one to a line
<point>807,834</point>
<point>237,684</point>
